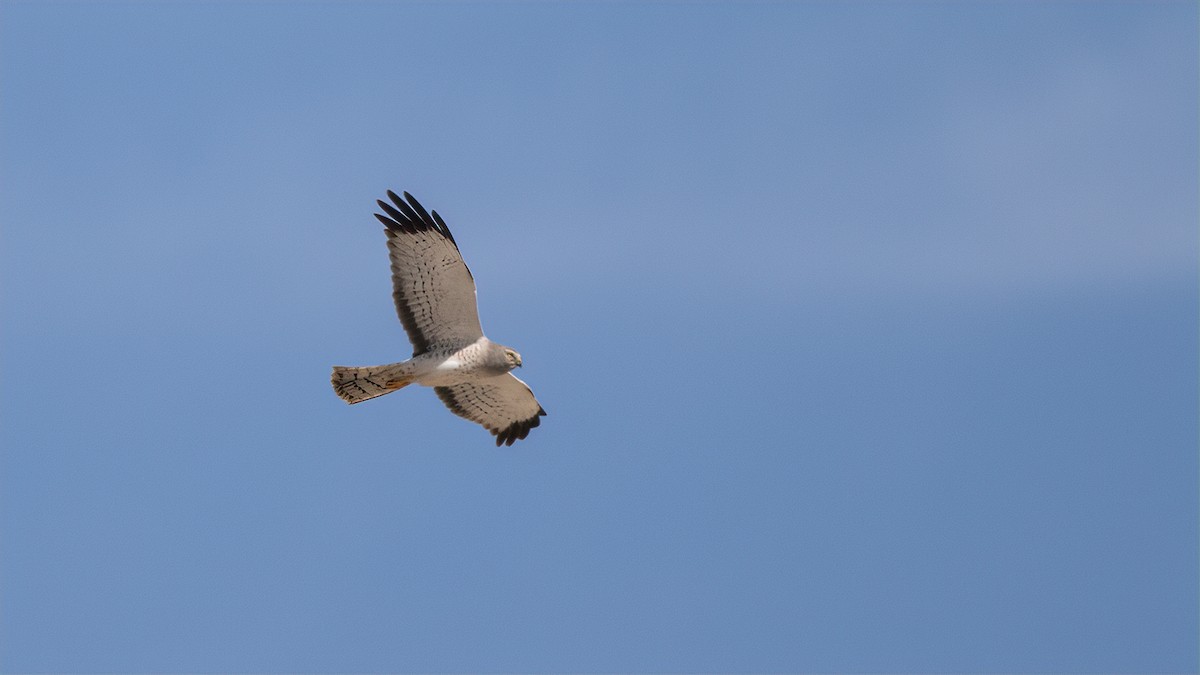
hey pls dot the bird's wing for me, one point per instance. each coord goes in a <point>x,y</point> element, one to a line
<point>503,405</point>
<point>433,289</point>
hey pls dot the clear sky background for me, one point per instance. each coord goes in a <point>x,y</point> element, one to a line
<point>868,334</point>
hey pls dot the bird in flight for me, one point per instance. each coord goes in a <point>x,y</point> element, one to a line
<point>435,298</point>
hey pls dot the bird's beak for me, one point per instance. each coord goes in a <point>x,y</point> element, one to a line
<point>518,362</point>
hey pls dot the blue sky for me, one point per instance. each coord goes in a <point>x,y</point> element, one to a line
<point>868,334</point>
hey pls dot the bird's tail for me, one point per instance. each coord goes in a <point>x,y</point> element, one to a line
<point>359,384</point>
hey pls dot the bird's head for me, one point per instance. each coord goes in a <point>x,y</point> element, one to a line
<point>512,358</point>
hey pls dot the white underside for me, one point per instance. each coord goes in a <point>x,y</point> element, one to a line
<point>443,368</point>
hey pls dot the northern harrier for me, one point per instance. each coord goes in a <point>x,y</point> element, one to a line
<point>435,298</point>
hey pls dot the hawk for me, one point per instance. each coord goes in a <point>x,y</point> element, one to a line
<point>435,298</point>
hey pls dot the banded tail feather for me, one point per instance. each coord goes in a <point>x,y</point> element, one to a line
<point>355,385</point>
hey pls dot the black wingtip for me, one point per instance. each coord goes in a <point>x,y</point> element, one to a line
<point>518,431</point>
<point>443,228</point>
<point>409,216</point>
<point>399,220</point>
<point>421,212</point>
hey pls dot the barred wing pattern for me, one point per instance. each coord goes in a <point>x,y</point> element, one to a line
<point>431,285</point>
<point>504,405</point>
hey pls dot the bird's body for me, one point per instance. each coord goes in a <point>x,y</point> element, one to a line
<point>444,367</point>
<point>448,367</point>
<point>435,298</point>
